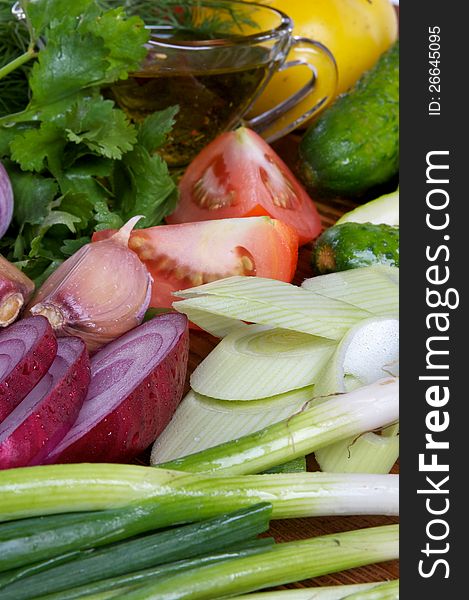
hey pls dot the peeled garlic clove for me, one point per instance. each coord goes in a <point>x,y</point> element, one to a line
<point>15,290</point>
<point>99,293</point>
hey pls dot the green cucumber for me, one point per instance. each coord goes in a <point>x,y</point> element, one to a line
<point>354,145</point>
<point>352,245</point>
<point>384,209</point>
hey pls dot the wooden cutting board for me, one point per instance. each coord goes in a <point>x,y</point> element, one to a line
<point>296,529</point>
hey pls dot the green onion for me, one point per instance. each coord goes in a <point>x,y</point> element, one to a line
<point>270,302</point>
<point>282,564</point>
<point>136,578</point>
<point>32,491</point>
<point>334,592</point>
<point>35,542</point>
<point>325,421</point>
<point>200,422</point>
<point>147,551</point>
<point>12,575</point>
<point>385,591</point>
<point>297,465</point>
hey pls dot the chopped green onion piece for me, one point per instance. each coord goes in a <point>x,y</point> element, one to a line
<point>374,288</point>
<point>200,422</point>
<point>274,303</point>
<point>32,491</point>
<point>282,564</point>
<point>257,362</point>
<point>323,422</point>
<point>334,592</point>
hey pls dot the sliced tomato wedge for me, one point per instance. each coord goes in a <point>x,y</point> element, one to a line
<point>190,254</point>
<point>239,175</point>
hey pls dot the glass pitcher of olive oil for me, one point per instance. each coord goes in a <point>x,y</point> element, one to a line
<point>212,59</point>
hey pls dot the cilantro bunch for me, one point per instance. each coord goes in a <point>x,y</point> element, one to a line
<point>76,162</point>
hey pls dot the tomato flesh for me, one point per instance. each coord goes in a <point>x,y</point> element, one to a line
<point>239,175</point>
<point>190,254</point>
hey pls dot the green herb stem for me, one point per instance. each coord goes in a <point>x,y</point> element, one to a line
<point>17,62</point>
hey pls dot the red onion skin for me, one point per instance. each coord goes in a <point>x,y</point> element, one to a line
<point>37,348</point>
<point>6,201</point>
<point>131,426</point>
<point>41,420</point>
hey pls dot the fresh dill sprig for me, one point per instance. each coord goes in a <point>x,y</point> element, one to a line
<point>190,15</point>
<point>14,40</point>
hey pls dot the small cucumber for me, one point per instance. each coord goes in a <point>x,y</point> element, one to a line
<point>354,145</point>
<point>351,245</point>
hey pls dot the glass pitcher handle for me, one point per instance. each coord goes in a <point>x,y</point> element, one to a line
<point>311,98</point>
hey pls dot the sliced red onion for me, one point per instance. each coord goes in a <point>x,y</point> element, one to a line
<point>6,201</point>
<point>42,419</point>
<point>27,349</point>
<point>137,382</point>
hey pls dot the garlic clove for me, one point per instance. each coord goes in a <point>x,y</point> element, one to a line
<point>15,291</point>
<point>99,293</point>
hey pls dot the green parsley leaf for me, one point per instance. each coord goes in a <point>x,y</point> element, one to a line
<point>125,40</point>
<point>33,195</point>
<point>104,129</point>
<point>106,219</point>
<point>40,13</point>
<point>37,148</point>
<point>69,247</point>
<point>149,185</point>
<point>70,61</point>
<point>154,130</point>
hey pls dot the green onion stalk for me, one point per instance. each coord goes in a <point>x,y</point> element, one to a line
<point>324,421</point>
<point>181,497</point>
<point>279,565</point>
<point>388,590</point>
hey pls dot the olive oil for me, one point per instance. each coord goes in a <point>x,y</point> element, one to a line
<point>211,97</point>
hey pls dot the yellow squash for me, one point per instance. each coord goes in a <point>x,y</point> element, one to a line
<point>357,32</point>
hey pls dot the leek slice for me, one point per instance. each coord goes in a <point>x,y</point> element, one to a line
<point>369,351</point>
<point>374,289</point>
<point>200,422</point>
<point>257,362</point>
<point>270,302</point>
